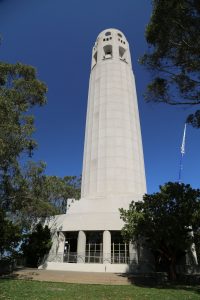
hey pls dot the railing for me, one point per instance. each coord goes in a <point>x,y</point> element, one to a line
<point>120,259</point>
<point>97,258</point>
<point>70,257</point>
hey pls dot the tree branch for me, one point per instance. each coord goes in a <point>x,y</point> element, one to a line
<point>179,103</point>
<point>174,74</point>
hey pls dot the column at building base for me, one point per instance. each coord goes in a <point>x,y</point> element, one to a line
<point>133,253</point>
<point>61,246</point>
<point>106,247</point>
<point>81,245</point>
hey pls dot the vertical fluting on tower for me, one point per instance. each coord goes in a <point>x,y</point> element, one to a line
<point>113,163</point>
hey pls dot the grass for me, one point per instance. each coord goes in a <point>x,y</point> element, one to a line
<point>36,290</point>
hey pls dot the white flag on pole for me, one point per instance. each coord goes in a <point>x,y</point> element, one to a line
<point>183,141</point>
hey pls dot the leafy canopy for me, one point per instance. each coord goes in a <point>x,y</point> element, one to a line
<point>173,55</point>
<point>20,90</point>
<point>26,193</point>
<point>9,237</point>
<point>165,219</point>
<point>36,245</point>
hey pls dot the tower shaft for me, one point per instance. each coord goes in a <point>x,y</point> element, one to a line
<point>113,163</point>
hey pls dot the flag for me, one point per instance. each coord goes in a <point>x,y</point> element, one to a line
<point>183,141</point>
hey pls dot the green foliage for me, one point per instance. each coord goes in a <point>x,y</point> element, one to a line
<point>36,245</point>
<point>20,90</point>
<point>58,190</point>
<point>26,193</point>
<point>173,55</point>
<point>194,119</point>
<point>10,236</point>
<point>20,187</point>
<point>31,194</point>
<point>165,219</point>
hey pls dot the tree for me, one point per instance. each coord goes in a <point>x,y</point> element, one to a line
<point>165,220</point>
<point>173,55</point>
<point>9,237</point>
<point>20,91</point>
<point>30,201</point>
<point>26,193</point>
<point>36,245</point>
<point>20,185</point>
<point>58,190</point>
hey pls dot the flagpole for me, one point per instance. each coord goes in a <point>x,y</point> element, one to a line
<point>182,154</point>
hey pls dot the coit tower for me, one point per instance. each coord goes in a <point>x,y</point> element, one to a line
<point>113,166</point>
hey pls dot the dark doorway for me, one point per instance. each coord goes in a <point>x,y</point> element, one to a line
<point>70,250</point>
<point>119,249</point>
<point>94,247</point>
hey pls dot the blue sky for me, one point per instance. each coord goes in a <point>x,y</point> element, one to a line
<point>57,38</point>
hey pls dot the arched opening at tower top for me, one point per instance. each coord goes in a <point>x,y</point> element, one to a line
<point>108,51</point>
<point>95,57</point>
<point>122,52</point>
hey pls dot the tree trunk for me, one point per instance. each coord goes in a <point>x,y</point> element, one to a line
<point>172,269</point>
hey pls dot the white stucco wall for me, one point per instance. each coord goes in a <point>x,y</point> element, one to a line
<point>109,268</point>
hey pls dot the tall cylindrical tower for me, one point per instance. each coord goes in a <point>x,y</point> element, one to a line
<point>113,164</point>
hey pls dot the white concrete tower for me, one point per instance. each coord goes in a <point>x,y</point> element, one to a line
<point>113,164</point>
<point>88,236</point>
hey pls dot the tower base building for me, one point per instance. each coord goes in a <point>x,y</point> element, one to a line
<point>87,237</point>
